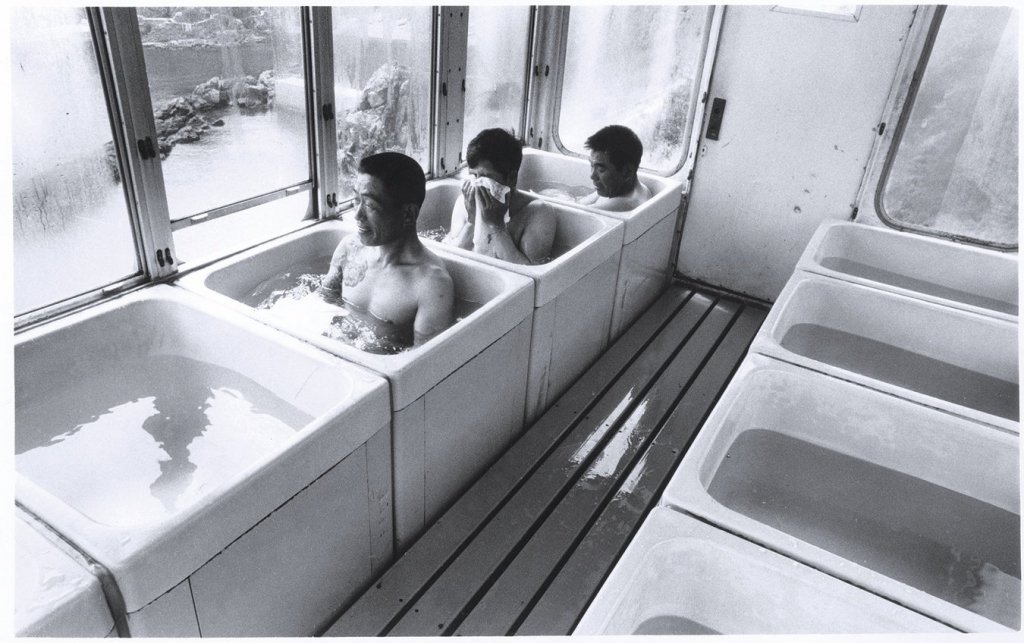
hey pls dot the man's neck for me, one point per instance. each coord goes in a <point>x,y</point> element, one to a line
<point>399,251</point>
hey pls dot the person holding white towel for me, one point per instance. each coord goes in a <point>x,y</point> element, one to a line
<point>493,217</point>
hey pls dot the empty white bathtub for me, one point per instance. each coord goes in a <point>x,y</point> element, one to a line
<point>936,270</point>
<point>54,594</point>
<point>681,576</point>
<point>906,501</point>
<point>951,359</point>
<point>573,293</point>
<point>179,445</point>
<point>457,401</point>
<point>645,267</point>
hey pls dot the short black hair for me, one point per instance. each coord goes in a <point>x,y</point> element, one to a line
<point>401,175</point>
<point>620,143</point>
<point>500,147</point>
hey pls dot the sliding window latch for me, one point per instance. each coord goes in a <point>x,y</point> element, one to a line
<point>327,110</point>
<point>164,258</point>
<point>146,148</point>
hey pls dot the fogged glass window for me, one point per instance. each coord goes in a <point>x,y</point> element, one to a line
<point>637,66</point>
<point>228,96</point>
<point>495,68</point>
<point>955,166</point>
<point>72,232</point>
<point>382,70</point>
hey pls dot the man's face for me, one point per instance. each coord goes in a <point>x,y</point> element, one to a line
<point>485,168</point>
<point>378,217</point>
<point>608,180</point>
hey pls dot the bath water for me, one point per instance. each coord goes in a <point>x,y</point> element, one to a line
<point>873,273</point>
<point>143,438</point>
<point>905,368</point>
<point>957,548</point>
<point>292,295</point>
<point>563,191</point>
<point>670,624</point>
<point>434,234</point>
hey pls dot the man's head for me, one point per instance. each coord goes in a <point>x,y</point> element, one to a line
<point>496,154</point>
<point>389,192</point>
<point>615,153</point>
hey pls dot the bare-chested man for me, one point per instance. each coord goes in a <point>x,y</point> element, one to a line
<point>615,153</point>
<point>520,229</point>
<point>383,274</point>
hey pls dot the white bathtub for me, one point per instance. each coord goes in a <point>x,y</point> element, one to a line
<point>954,360</point>
<point>449,417</point>
<point>573,293</point>
<point>54,594</point>
<point>645,267</point>
<point>908,502</point>
<point>936,270</point>
<point>681,576</point>
<point>167,439</point>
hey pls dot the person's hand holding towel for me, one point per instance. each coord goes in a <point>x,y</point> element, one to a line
<point>486,202</point>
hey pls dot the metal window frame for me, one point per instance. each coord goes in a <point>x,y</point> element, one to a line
<point>910,72</point>
<point>551,54</point>
<point>451,36</point>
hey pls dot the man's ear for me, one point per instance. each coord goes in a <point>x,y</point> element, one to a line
<point>630,169</point>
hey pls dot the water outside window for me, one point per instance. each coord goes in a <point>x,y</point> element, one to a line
<point>637,66</point>
<point>955,168</point>
<point>72,232</point>
<point>495,68</point>
<point>382,67</point>
<point>228,95</point>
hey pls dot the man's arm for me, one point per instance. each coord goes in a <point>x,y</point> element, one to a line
<point>436,305</point>
<point>539,235</point>
<point>331,286</point>
<point>491,237</point>
<point>460,232</point>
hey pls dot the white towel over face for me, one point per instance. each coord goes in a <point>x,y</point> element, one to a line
<point>497,190</point>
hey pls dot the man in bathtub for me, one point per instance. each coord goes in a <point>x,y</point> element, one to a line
<point>494,218</point>
<point>615,153</point>
<point>389,282</point>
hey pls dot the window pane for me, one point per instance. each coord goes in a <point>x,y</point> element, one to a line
<point>381,84</point>
<point>72,232</point>
<point>637,66</point>
<point>495,68</point>
<point>955,169</point>
<point>228,95</point>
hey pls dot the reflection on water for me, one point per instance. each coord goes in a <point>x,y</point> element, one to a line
<point>292,296</point>
<point>905,368</point>
<point>434,234</point>
<point>952,546</point>
<point>146,437</point>
<point>561,191</point>
<point>874,273</point>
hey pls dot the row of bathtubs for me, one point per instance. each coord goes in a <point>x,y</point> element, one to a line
<point>188,464</point>
<point>860,472</point>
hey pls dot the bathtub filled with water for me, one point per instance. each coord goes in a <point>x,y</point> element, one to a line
<point>153,433</point>
<point>443,435</point>
<point>573,290</point>
<point>955,274</point>
<point>932,354</point>
<point>648,230</point>
<point>681,576</point>
<point>907,501</point>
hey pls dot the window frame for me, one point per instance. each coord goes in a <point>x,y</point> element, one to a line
<point>712,27</point>
<point>917,53</point>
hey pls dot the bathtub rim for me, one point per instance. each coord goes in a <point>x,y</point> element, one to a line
<point>142,555</point>
<point>666,526</point>
<point>686,492</point>
<point>665,201</point>
<point>768,342</point>
<point>809,262</point>
<point>554,277</point>
<point>407,376</point>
